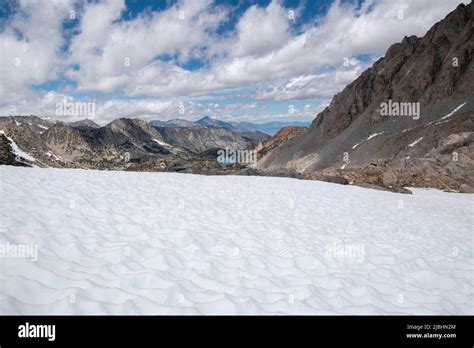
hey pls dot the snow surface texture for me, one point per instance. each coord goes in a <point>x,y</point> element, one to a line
<point>167,243</point>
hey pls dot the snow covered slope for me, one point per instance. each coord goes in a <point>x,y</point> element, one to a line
<point>165,243</point>
<point>16,149</point>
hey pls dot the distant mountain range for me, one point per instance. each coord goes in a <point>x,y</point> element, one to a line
<point>174,145</point>
<point>131,144</point>
<point>123,144</point>
<point>270,128</point>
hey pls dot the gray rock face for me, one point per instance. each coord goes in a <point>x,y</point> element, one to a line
<point>86,123</point>
<point>202,139</point>
<point>465,188</point>
<point>7,156</point>
<point>123,137</point>
<point>27,132</point>
<point>175,123</point>
<point>114,146</point>
<point>435,71</point>
<point>283,135</point>
<point>428,70</point>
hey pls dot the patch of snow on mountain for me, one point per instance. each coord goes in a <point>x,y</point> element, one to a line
<point>368,138</point>
<point>50,154</point>
<point>415,142</point>
<point>373,136</point>
<point>454,111</point>
<point>162,143</point>
<point>16,149</point>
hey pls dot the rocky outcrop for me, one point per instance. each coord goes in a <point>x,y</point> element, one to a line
<point>27,133</point>
<point>448,166</point>
<point>84,124</point>
<point>7,156</point>
<point>283,135</point>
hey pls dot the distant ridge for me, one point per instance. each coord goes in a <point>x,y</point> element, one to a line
<point>269,128</point>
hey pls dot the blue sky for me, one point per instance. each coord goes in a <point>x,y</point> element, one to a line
<point>233,60</point>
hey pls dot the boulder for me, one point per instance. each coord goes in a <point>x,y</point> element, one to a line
<point>465,188</point>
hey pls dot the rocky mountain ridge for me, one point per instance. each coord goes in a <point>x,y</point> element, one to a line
<point>270,128</point>
<point>352,135</point>
<point>204,139</point>
<point>121,144</point>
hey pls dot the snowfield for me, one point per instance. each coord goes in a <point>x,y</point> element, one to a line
<point>167,243</point>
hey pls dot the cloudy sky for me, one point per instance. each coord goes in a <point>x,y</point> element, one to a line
<point>233,60</point>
